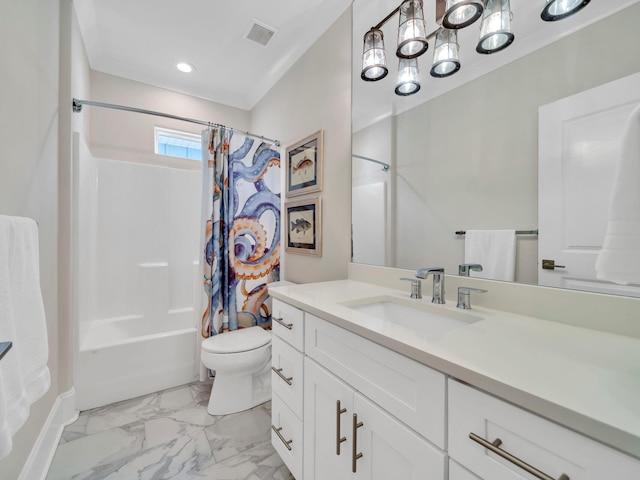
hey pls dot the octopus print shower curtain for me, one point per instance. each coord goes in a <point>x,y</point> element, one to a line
<point>240,230</point>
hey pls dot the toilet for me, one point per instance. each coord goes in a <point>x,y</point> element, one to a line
<point>241,360</point>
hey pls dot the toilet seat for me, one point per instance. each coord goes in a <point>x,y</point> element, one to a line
<point>241,340</point>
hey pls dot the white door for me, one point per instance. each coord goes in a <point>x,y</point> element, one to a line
<point>579,145</point>
<point>326,423</point>
<point>391,450</point>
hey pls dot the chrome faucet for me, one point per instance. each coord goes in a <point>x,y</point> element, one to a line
<point>463,270</point>
<point>416,287</point>
<point>438,282</point>
<point>464,296</point>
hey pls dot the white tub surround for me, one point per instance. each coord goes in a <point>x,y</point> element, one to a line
<point>580,378</point>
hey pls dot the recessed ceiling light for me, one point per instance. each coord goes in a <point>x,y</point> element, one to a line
<point>185,67</point>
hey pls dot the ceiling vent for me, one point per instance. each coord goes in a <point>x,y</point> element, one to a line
<point>259,32</point>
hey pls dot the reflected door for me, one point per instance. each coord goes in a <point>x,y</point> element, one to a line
<point>579,146</point>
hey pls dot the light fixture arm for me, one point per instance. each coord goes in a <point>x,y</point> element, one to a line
<point>386,19</point>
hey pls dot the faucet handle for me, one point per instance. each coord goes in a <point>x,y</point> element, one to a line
<point>416,287</point>
<point>464,296</point>
<point>463,269</point>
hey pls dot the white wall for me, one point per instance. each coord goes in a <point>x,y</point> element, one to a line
<point>316,94</point>
<point>120,135</point>
<point>29,36</point>
<point>469,158</point>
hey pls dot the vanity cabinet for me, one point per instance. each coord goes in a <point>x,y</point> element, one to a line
<point>349,437</point>
<point>345,407</point>
<point>477,420</point>
<point>359,399</point>
<point>287,380</point>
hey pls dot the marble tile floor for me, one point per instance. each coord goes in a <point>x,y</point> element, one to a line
<point>168,435</point>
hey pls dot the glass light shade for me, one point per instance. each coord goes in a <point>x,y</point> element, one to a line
<point>374,58</point>
<point>408,72</point>
<point>461,13</point>
<point>412,35</point>
<point>495,29</point>
<point>559,9</point>
<point>446,59</point>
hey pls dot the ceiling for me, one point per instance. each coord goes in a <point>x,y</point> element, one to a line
<point>142,40</point>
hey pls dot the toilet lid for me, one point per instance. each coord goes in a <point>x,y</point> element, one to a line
<point>241,340</point>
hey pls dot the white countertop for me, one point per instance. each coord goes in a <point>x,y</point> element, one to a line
<point>583,379</point>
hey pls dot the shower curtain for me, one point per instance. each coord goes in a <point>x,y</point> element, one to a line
<point>240,230</point>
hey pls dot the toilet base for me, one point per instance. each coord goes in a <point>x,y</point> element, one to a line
<point>236,393</point>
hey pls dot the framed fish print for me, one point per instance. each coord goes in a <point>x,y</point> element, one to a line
<point>303,227</point>
<point>304,166</point>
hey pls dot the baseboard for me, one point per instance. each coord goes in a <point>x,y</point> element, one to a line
<point>62,413</point>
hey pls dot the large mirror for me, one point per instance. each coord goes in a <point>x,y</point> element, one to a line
<point>462,153</point>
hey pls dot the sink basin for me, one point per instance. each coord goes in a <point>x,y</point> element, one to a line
<point>389,313</point>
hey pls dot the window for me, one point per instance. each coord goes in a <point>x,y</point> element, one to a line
<point>178,144</point>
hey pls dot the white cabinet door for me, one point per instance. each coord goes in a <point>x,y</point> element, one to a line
<point>390,449</point>
<point>325,424</point>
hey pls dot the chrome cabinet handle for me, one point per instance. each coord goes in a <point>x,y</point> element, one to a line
<point>288,326</point>
<point>287,443</point>
<point>355,456</point>
<point>513,459</point>
<point>339,439</point>
<point>279,372</point>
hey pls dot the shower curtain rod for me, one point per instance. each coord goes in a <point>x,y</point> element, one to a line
<point>77,107</point>
<point>385,166</point>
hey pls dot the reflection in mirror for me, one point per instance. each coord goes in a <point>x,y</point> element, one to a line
<point>464,155</point>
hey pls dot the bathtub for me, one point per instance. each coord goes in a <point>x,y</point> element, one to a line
<point>125,357</point>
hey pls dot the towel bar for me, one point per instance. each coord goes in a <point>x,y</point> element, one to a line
<point>518,232</point>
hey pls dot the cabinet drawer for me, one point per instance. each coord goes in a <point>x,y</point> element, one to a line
<point>288,324</point>
<point>544,445</point>
<point>287,379</point>
<point>408,390</point>
<point>286,436</point>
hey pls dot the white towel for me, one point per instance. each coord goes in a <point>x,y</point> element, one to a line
<point>619,258</point>
<point>24,375</point>
<point>495,250</point>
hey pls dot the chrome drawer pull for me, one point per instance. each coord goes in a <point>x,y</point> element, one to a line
<point>288,326</point>
<point>279,372</point>
<point>355,456</point>
<point>339,439</point>
<point>287,443</point>
<point>515,460</point>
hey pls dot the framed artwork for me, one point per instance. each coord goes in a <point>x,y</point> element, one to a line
<point>304,166</point>
<point>303,227</point>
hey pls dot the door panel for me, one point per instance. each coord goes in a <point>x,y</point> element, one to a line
<point>579,146</point>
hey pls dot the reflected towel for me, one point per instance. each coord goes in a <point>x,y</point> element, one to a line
<point>24,375</point>
<point>619,258</point>
<point>495,250</point>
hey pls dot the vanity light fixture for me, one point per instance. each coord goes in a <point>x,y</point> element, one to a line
<point>495,29</point>
<point>185,67</point>
<point>452,15</point>
<point>462,13</point>
<point>412,32</point>
<point>445,54</point>
<point>408,73</point>
<point>374,58</point>
<point>559,9</point>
